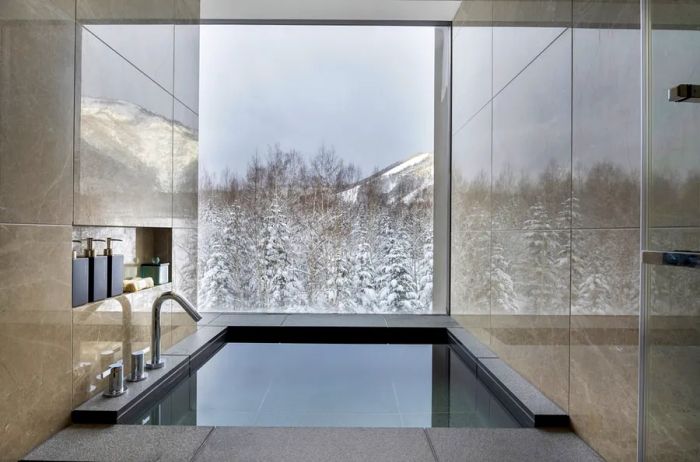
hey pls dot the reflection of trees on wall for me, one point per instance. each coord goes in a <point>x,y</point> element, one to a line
<point>534,255</point>
<point>308,235</point>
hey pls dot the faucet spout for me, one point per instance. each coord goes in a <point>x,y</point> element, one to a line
<point>156,361</point>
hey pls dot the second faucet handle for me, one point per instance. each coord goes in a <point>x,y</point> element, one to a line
<point>138,366</point>
<point>116,386</point>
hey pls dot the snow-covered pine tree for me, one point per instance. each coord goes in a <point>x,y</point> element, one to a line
<point>216,288</point>
<point>279,286</point>
<point>363,279</point>
<point>425,275</point>
<point>340,285</point>
<point>398,289</point>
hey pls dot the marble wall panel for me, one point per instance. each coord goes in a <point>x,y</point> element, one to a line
<point>471,72</point>
<point>35,332</point>
<point>537,346</point>
<point>471,174</point>
<point>603,378</point>
<point>123,161</point>
<point>186,65</point>
<point>532,144</point>
<point>149,47</point>
<point>37,47</point>
<point>185,166</point>
<point>471,277</point>
<point>606,129</point>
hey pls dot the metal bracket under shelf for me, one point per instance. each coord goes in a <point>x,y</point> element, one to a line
<point>686,259</point>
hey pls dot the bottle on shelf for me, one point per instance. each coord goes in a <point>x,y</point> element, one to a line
<point>97,271</point>
<point>80,278</point>
<point>115,269</point>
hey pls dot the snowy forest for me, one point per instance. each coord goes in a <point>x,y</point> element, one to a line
<point>300,234</point>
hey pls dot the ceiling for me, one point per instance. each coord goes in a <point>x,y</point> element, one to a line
<point>329,10</point>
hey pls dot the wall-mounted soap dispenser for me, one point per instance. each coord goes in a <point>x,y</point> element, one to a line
<point>115,270</point>
<point>97,271</point>
<point>80,279</point>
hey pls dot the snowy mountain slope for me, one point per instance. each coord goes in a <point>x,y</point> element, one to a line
<point>405,181</point>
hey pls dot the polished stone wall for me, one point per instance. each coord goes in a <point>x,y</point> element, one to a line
<point>545,208</point>
<point>125,161</point>
<point>671,414</point>
<point>37,42</point>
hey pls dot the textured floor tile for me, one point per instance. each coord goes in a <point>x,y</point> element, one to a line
<point>505,445</point>
<point>316,445</point>
<point>123,443</point>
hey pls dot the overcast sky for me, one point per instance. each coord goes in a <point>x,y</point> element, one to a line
<point>367,91</point>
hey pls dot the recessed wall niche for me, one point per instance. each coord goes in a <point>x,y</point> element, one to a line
<point>138,245</point>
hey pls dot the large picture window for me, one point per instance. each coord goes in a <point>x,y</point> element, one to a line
<point>316,168</point>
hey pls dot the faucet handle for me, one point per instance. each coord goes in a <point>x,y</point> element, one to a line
<point>116,386</point>
<point>138,363</point>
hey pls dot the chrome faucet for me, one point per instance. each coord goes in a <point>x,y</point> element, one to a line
<point>156,361</point>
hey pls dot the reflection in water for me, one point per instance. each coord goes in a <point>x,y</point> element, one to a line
<point>325,385</point>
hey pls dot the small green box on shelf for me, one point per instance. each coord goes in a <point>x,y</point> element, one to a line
<point>160,272</point>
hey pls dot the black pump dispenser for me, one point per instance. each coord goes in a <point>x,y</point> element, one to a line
<point>80,279</point>
<point>115,270</point>
<point>97,271</point>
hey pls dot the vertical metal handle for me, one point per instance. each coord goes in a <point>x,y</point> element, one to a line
<point>138,366</point>
<point>116,386</point>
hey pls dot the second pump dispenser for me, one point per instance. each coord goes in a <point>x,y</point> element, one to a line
<point>97,271</point>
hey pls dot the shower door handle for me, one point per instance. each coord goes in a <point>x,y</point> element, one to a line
<point>686,259</point>
<point>684,93</point>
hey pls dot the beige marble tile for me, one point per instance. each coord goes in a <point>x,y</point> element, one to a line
<point>478,324</point>
<point>149,47</point>
<point>123,165</point>
<point>609,14</point>
<point>471,282</point>
<point>538,348</point>
<point>109,330</point>
<point>532,144</point>
<point>672,381</point>
<point>530,272</point>
<point>186,82</point>
<point>603,395</point>
<point>106,11</point>
<point>37,10</point>
<point>36,122</point>
<point>473,12</point>
<point>606,130</point>
<point>605,272</point>
<point>185,167</point>
<point>35,333</point>
<point>187,10</point>
<point>471,174</point>
<point>532,12</point>
<point>471,72</point>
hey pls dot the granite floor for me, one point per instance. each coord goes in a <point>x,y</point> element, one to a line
<point>208,444</point>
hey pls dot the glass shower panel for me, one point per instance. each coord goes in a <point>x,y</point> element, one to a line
<point>671,377</point>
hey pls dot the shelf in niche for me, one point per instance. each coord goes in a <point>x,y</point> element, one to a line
<point>129,297</point>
